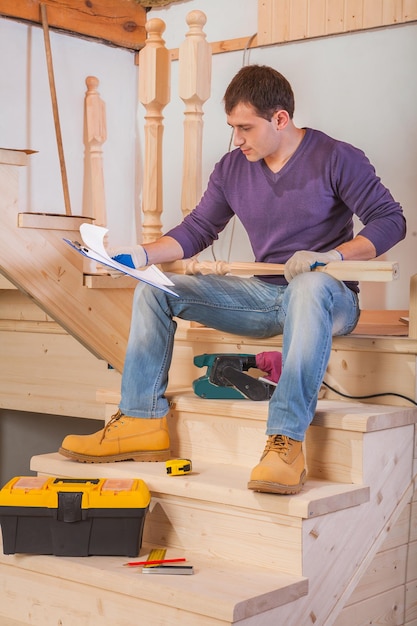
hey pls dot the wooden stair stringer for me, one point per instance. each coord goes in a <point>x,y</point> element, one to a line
<point>38,262</point>
<point>334,567</point>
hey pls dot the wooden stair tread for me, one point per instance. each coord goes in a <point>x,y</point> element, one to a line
<point>208,482</point>
<point>340,414</point>
<point>219,588</point>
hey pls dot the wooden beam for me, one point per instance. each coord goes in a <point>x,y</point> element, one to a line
<point>109,21</point>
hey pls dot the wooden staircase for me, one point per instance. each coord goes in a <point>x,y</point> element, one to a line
<point>260,560</point>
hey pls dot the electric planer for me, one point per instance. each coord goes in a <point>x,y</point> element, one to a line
<point>226,376</point>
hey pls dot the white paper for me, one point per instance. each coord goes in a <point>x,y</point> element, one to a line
<point>93,240</point>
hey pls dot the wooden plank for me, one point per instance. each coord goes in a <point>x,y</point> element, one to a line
<point>6,284</point>
<point>52,589</point>
<point>109,21</point>
<point>411,603</point>
<point>413,308</point>
<point>277,23</point>
<point>353,15</point>
<point>386,608</point>
<point>379,322</point>
<point>50,221</point>
<point>50,372</point>
<point>386,571</point>
<point>13,157</point>
<point>316,17</point>
<point>299,12</point>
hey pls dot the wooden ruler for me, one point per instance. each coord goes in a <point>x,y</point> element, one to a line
<point>156,554</point>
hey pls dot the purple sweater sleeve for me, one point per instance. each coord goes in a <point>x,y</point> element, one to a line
<point>308,205</point>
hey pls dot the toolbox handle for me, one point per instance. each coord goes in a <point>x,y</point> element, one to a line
<point>76,481</point>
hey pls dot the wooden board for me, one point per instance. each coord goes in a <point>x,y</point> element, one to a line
<point>110,21</point>
<point>292,20</point>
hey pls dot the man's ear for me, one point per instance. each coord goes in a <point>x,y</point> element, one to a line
<point>281,119</point>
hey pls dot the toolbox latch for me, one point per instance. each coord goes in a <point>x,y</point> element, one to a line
<point>69,506</point>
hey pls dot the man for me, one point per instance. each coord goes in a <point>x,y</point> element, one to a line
<point>295,191</point>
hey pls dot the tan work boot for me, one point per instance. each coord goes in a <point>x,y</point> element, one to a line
<point>281,469</point>
<point>122,439</point>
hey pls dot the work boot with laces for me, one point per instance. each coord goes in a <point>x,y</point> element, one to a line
<point>122,439</point>
<point>281,468</point>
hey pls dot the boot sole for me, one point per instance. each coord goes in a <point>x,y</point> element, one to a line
<point>268,487</point>
<point>148,455</point>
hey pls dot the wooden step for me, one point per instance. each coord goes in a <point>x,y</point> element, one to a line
<point>233,431</point>
<point>49,590</point>
<point>224,512</point>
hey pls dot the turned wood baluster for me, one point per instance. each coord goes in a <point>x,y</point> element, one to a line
<point>154,94</point>
<point>194,90</point>
<point>95,134</point>
<point>412,330</point>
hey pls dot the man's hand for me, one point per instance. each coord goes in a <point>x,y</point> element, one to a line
<point>305,261</point>
<point>132,256</point>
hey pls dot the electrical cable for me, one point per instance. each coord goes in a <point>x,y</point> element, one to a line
<point>372,395</point>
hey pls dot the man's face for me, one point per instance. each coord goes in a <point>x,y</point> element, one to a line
<point>256,137</point>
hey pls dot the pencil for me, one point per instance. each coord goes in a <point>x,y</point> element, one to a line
<point>156,562</point>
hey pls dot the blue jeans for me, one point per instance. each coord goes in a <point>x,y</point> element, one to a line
<point>312,308</point>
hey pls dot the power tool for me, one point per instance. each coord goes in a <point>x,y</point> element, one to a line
<point>226,379</point>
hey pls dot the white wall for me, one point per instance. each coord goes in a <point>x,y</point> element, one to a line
<point>359,87</point>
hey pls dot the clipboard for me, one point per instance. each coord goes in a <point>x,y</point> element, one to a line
<point>92,247</point>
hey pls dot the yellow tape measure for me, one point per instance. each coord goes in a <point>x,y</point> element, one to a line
<point>176,467</point>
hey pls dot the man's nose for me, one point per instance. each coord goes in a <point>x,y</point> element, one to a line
<point>237,138</point>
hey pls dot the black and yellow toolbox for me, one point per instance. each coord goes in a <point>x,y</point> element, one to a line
<point>73,517</point>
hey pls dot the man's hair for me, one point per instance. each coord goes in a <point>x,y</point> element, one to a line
<point>263,88</point>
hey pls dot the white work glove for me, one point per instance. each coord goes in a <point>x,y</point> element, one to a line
<point>132,256</point>
<point>305,261</point>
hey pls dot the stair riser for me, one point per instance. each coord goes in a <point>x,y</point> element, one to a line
<point>334,455</point>
<point>270,541</point>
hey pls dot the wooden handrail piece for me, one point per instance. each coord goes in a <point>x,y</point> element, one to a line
<point>372,271</point>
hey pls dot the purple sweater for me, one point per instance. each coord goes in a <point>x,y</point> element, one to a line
<point>308,205</point>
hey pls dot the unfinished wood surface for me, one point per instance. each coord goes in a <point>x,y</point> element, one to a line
<point>110,21</point>
<point>291,20</point>
<point>322,539</point>
<point>413,308</point>
<point>50,272</point>
<point>49,372</point>
<point>194,89</point>
<point>329,537</point>
<point>154,94</point>
<point>49,221</point>
<point>6,284</point>
<point>52,589</point>
<point>95,135</point>
<point>379,271</point>
<point>379,322</point>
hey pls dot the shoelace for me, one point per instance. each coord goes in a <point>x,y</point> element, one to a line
<point>114,418</point>
<point>277,443</point>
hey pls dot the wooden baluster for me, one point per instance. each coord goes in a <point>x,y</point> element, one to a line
<point>412,314</point>
<point>194,90</point>
<point>94,204</point>
<point>154,94</point>
<point>95,134</point>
